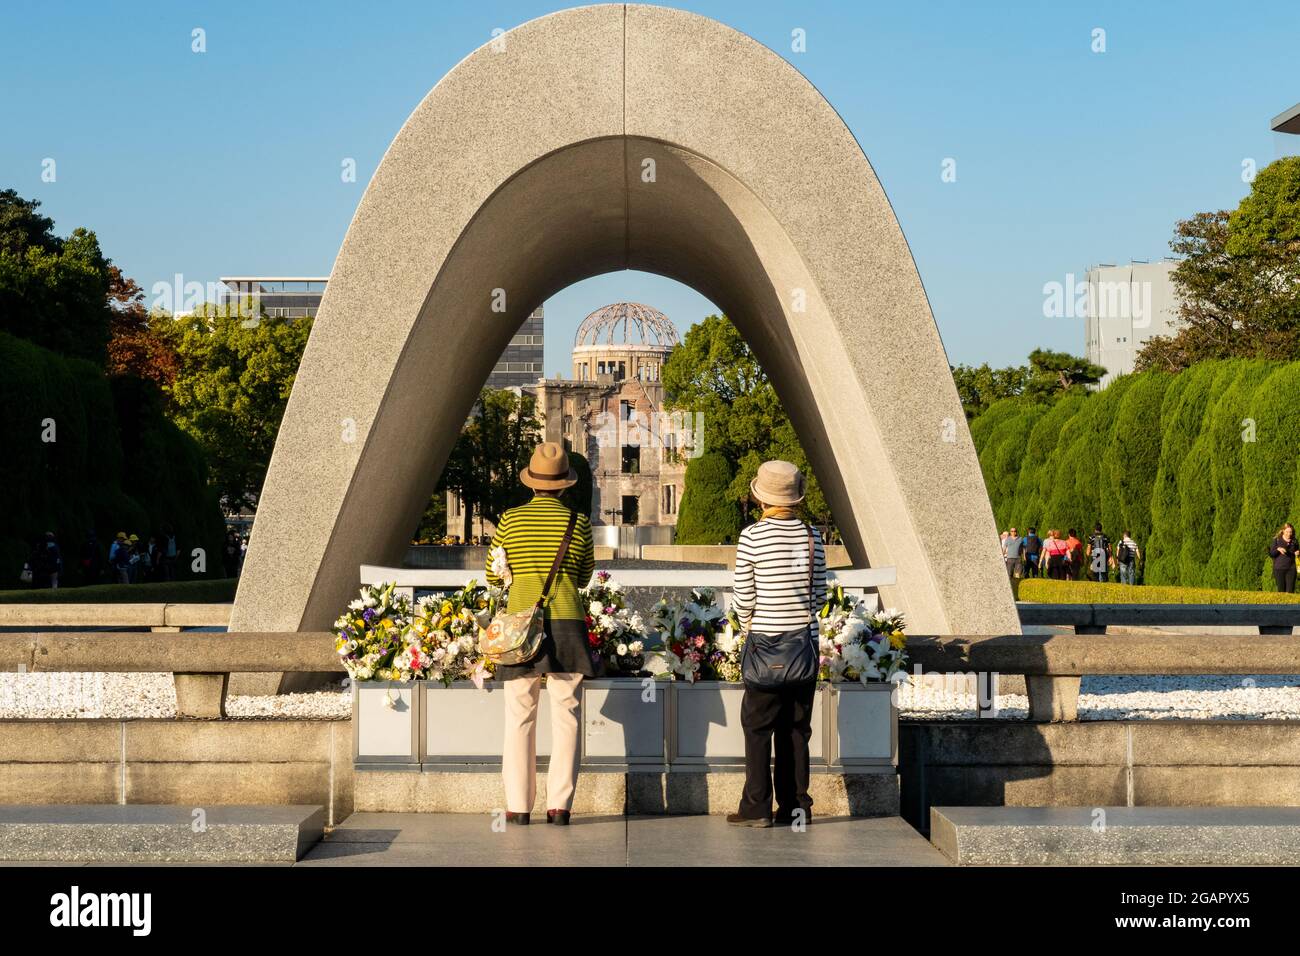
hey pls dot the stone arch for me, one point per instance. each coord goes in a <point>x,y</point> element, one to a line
<point>598,139</point>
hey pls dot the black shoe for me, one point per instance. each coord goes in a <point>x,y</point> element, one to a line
<point>559,817</point>
<point>787,819</point>
<point>737,820</point>
<point>519,819</point>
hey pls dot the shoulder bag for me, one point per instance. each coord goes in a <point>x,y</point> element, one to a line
<point>516,638</point>
<point>777,661</point>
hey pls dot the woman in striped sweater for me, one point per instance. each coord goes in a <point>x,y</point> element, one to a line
<point>771,595</point>
<point>530,536</point>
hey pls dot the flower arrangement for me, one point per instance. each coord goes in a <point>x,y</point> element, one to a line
<point>860,645</point>
<point>615,635</point>
<point>443,635</point>
<point>382,637</point>
<point>370,633</point>
<point>699,641</point>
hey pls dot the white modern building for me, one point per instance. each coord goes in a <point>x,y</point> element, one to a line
<point>1126,306</point>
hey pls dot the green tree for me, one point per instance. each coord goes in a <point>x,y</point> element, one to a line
<point>708,513</point>
<point>980,386</point>
<point>1182,414</point>
<point>1052,374</point>
<point>1269,473</point>
<point>494,446</point>
<point>231,390</point>
<point>1033,483</point>
<point>53,291</point>
<point>1238,280</point>
<point>1133,458</point>
<point>715,372</point>
<point>1230,426</point>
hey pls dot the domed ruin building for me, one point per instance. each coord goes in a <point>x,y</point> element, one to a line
<point>612,411</point>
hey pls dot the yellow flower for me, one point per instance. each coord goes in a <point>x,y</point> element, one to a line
<point>446,608</point>
<point>897,640</point>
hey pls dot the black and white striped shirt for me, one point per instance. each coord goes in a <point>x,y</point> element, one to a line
<point>770,591</point>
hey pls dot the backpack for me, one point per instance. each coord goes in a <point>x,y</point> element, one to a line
<point>1125,553</point>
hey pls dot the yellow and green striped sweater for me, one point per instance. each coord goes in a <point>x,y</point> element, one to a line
<point>531,535</point>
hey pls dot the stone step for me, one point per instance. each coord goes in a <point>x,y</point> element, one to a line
<point>159,834</point>
<point>1130,836</point>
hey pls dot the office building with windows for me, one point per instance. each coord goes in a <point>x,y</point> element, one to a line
<point>288,297</point>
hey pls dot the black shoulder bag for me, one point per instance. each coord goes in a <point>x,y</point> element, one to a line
<point>791,659</point>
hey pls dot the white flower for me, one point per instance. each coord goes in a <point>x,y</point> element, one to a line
<point>636,647</point>
<point>596,609</point>
<point>357,605</point>
<point>500,563</point>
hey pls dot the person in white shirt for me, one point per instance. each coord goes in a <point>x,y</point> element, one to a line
<point>777,559</point>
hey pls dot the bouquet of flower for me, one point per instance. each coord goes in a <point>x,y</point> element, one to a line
<point>370,633</point>
<point>381,637</point>
<point>700,642</point>
<point>857,644</point>
<point>615,634</point>
<point>443,635</point>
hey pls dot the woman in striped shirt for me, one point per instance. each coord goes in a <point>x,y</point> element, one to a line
<point>531,535</point>
<point>771,595</point>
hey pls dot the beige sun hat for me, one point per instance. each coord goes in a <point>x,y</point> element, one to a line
<point>549,469</point>
<point>778,483</point>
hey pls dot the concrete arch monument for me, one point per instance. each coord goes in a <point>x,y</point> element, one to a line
<point>623,137</point>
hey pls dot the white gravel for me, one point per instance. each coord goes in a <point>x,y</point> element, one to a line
<point>1220,697</point>
<point>132,696</point>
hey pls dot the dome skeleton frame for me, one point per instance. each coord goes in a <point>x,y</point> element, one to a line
<point>650,326</point>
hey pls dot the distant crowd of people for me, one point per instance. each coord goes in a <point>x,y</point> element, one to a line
<point>129,560</point>
<point>454,541</point>
<point>1071,558</point>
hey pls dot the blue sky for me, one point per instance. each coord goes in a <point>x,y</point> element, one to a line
<point>227,162</point>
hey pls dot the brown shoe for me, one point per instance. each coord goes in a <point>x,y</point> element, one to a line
<point>735,819</point>
<point>559,817</point>
<point>519,819</point>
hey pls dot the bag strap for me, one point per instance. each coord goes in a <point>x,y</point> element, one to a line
<point>559,558</point>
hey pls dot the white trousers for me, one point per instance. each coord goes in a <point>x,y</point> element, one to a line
<point>519,753</point>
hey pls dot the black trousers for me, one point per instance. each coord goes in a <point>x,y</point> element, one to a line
<point>783,717</point>
<point>1285,579</point>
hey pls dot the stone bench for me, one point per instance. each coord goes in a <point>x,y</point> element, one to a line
<point>1117,836</point>
<point>1095,618</point>
<point>200,662</point>
<point>1053,664</point>
<point>72,833</point>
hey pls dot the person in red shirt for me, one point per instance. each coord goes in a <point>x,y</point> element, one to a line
<point>1076,554</point>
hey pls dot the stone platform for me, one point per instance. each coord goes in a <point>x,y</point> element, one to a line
<point>1131,836</point>
<point>616,791</point>
<point>464,839</point>
<point>158,834</point>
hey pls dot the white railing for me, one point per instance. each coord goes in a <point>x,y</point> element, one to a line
<point>858,581</point>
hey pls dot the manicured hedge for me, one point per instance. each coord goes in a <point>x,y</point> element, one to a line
<point>1046,591</point>
<point>708,514</point>
<point>1201,467</point>
<point>116,463</point>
